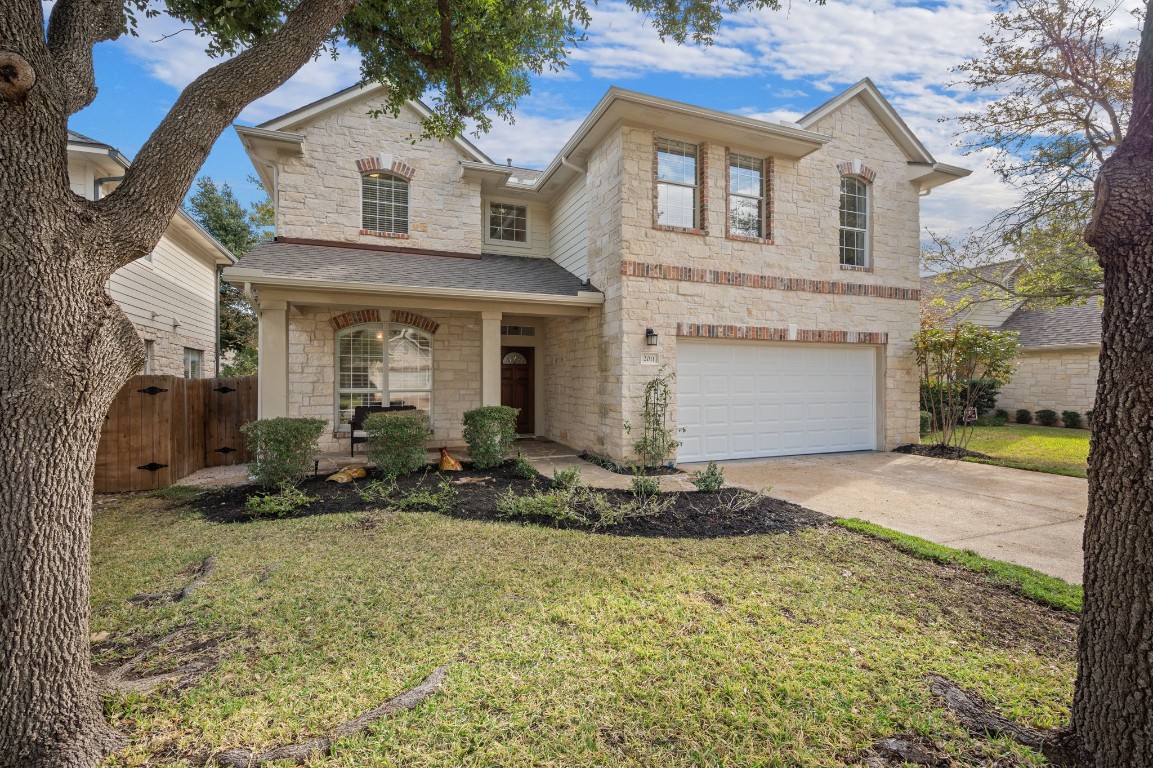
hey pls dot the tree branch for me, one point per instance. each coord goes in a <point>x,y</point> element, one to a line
<point>141,207</point>
<point>73,28</point>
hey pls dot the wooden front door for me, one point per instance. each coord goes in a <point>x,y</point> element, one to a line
<point>516,385</point>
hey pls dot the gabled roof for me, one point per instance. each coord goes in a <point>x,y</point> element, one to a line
<point>1064,326</point>
<point>961,289</point>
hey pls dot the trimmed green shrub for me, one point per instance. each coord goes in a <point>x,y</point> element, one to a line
<point>1024,416</point>
<point>710,479</point>
<point>1001,413</point>
<point>282,449</point>
<point>396,441</point>
<point>643,485</point>
<point>284,502</point>
<point>490,432</point>
<point>567,478</point>
<point>1046,417</point>
<point>1071,419</point>
<point>926,423</point>
<point>523,467</point>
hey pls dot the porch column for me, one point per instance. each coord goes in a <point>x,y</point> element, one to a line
<point>273,393</point>
<point>490,358</point>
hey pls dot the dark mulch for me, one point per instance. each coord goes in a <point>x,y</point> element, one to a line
<point>937,451</point>
<point>692,515</point>
<point>627,469</point>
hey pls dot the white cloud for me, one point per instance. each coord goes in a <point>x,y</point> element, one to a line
<point>532,142</point>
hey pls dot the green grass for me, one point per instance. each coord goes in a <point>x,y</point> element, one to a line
<point>1056,450</point>
<point>564,648</point>
<point>1033,584</point>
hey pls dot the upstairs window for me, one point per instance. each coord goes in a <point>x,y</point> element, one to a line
<point>746,196</point>
<point>507,222</point>
<point>677,184</point>
<point>384,203</point>
<point>854,222</point>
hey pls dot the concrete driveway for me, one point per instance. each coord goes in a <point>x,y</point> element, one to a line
<point>1028,518</point>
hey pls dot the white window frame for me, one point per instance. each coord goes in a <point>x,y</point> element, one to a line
<point>866,259</point>
<point>759,198</point>
<point>394,178</point>
<point>490,240</point>
<point>666,144</point>
<point>385,392</point>
<point>193,357</point>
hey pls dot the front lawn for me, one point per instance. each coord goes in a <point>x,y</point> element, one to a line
<point>1056,450</point>
<point>564,647</point>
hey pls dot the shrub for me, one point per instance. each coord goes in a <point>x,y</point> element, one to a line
<point>419,499</point>
<point>643,485</point>
<point>581,505</point>
<point>1089,418</point>
<point>1001,413</point>
<point>710,479</point>
<point>1046,417</point>
<point>378,490</point>
<point>1071,419</point>
<point>396,441</point>
<point>490,432</point>
<point>284,502</point>
<point>1024,416</point>
<point>523,467</point>
<point>926,423</point>
<point>555,504</point>
<point>567,478</point>
<point>990,421</point>
<point>282,449</point>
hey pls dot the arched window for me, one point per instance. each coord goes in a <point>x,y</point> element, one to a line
<point>854,222</point>
<point>382,364</point>
<point>384,203</point>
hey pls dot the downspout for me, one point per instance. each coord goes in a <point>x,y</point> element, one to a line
<point>98,183</point>
<point>572,166</point>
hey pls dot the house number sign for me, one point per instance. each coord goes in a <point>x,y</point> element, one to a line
<point>651,359</point>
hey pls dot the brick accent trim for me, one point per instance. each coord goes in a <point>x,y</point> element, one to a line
<point>857,168</point>
<point>765,282</point>
<point>702,227</point>
<point>766,202</point>
<point>396,167</point>
<point>361,316</point>
<point>768,333</point>
<point>388,235</point>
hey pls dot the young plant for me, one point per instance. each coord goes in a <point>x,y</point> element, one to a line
<point>490,433</point>
<point>710,479</point>
<point>282,449</point>
<point>658,442</point>
<point>379,491</point>
<point>440,498</point>
<point>642,485</point>
<point>567,478</point>
<point>396,441</point>
<point>284,502</point>
<point>524,468</point>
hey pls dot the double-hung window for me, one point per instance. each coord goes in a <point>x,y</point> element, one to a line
<point>677,184</point>
<point>854,222</point>
<point>384,203</point>
<point>746,196</point>
<point>383,364</point>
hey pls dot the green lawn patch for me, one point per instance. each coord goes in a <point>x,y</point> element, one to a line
<point>564,647</point>
<point>1056,450</point>
<point>1033,584</point>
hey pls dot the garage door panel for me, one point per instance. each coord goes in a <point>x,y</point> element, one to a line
<point>746,400</point>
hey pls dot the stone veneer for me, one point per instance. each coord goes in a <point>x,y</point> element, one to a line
<point>1057,379</point>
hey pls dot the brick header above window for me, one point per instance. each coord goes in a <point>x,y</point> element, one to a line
<point>388,164</point>
<point>767,333</point>
<point>361,316</point>
<point>857,168</point>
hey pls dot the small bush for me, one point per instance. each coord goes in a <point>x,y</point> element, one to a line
<point>643,485</point>
<point>555,504</point>
<point>396,441</point>
<point>377,491</point>
<point>990,421</point>
<point>523,467</point>
<point>1001,413</point>
<point>710,479</point>
<point>580,505</point>
<point>284,502</point>
<point>1071,419</point>
<point>282,449</point>
<point>567,478</point>
<point>490,432</point>
<point>1089,418</point>
<point>926,423</point>
<point>1046,417</point>
<point>1024,416</point>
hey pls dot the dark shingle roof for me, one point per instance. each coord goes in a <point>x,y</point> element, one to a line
<point>80,138</point>
<point>1058,326</point>
<point>490,272</point>
<point>960,290</point>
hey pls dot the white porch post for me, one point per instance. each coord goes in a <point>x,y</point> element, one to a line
<point>273,393</point>
<point>490,358</point>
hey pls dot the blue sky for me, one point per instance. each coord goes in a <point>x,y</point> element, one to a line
<point>774,65</point>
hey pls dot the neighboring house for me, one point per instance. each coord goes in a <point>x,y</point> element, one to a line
<point>773,268</point>
<point>1057,368</point>
<point>171,294</point>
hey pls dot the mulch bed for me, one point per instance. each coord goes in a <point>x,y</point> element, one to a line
<point>937,451</point>
<point>692,515</point>
<point>622,469</point>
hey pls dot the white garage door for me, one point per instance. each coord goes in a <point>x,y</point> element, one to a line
<point>744,400</point>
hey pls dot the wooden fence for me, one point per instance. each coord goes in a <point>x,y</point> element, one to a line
<point>162,428</point>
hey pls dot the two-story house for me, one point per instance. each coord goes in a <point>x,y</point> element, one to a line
<point>773,268</point>
<point>171,294</point>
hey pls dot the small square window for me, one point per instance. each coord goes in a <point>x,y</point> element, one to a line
<point>508,222</point>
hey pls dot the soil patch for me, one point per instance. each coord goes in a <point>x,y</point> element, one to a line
<point>691,515</point>
<point>623,469</point>
<point>937,451</point>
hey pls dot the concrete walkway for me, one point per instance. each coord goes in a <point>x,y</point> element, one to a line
<point>1028,518</point>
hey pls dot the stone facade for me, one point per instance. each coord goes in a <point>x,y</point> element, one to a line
<point>1057,379</point>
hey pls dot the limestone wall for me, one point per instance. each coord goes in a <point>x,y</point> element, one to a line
<point>1059,379</point>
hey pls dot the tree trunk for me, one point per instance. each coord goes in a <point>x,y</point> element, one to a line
<point>1113,702</point>
<point>65,351</point>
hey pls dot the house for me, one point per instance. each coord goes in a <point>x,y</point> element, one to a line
<point>171,294</point>
<point>773,268</point>
<point>1057,367</point>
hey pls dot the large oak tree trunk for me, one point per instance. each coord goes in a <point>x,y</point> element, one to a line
<point>1113,703</point>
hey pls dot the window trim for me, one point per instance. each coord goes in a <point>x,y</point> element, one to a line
<point>487,213</point>
<point>867,231</point>
<point>395,177</point>
<point>383,326</point>
<point>766,198</point>
<point>700,188</point>
<point>196,355</point>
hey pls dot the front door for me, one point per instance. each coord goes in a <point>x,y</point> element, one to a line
<point>516,390</point>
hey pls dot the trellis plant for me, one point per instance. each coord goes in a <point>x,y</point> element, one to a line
<point>658,441</point>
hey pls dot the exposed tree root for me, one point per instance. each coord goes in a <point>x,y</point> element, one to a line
<point>978,718</point>
<point>302,751</point>
<point>200,659</point>
<point>177,595</point>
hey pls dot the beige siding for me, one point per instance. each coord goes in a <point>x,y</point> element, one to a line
<point>569,233</point>
<point>80,177</point>
<point>538,233</point>
<point>1057,379</point>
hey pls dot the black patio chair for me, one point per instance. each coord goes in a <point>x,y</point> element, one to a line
<point>362,412</point>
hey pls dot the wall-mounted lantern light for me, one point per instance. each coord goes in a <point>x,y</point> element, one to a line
<point>651,337</point>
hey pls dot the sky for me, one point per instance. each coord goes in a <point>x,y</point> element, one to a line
<point>773,65</point>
